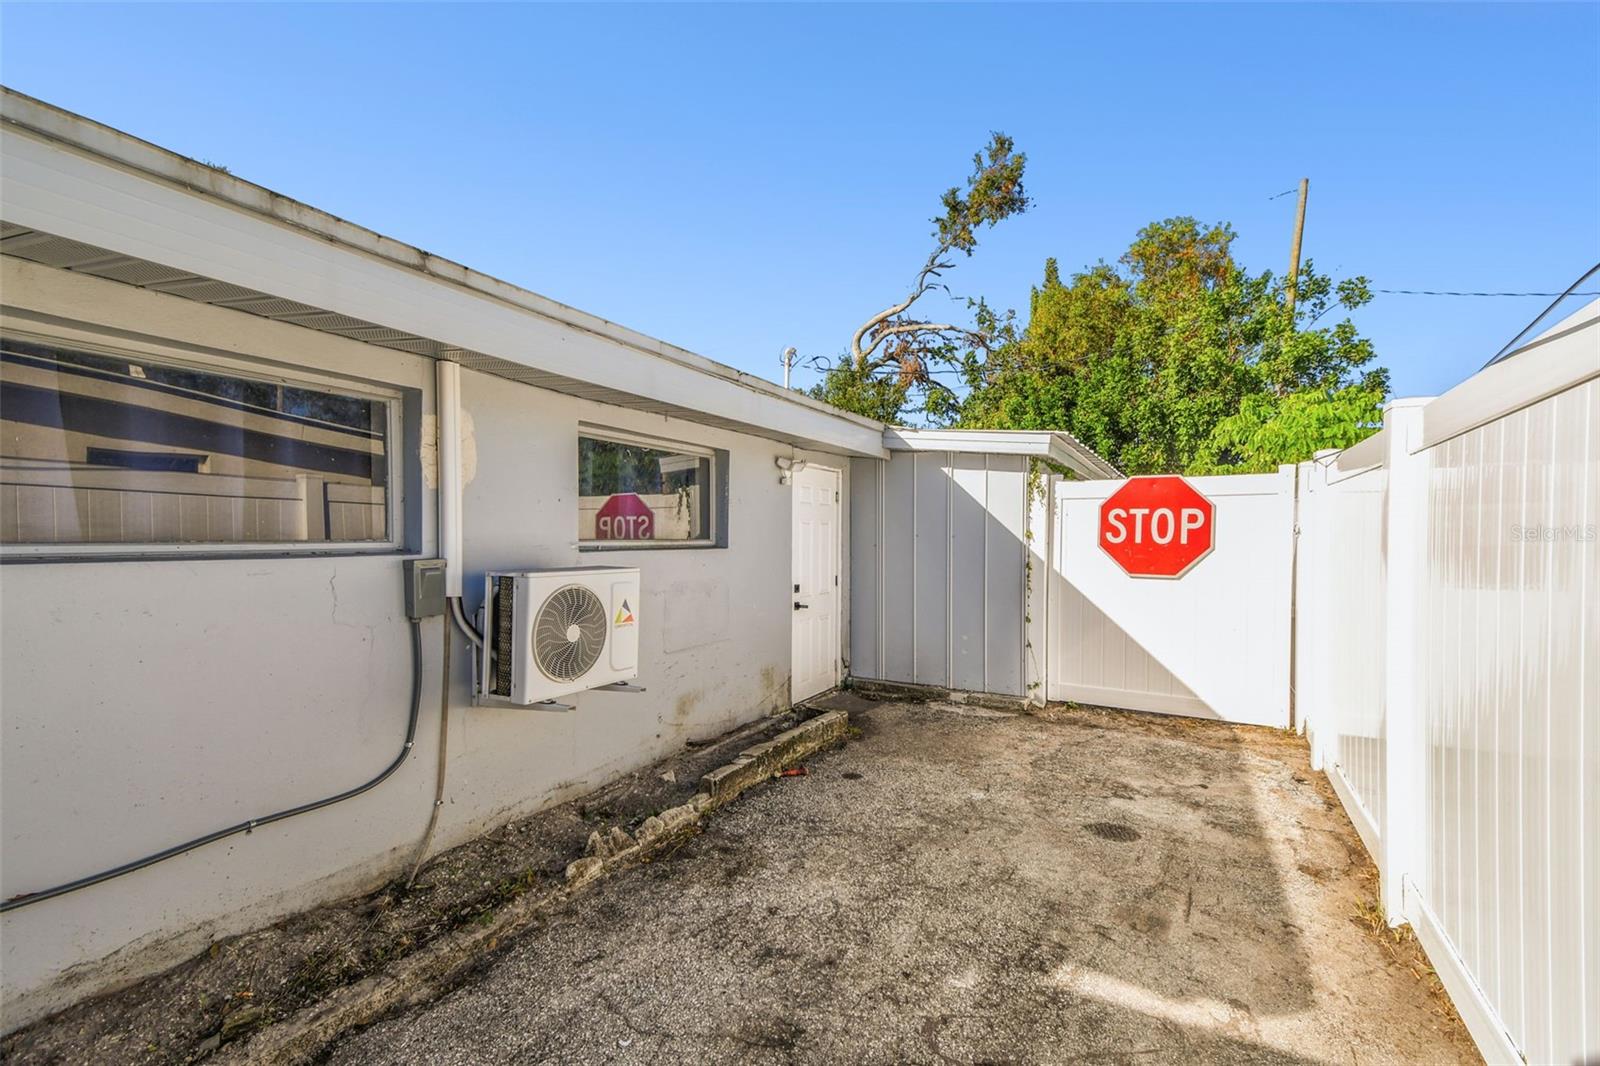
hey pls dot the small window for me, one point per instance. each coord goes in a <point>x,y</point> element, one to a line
<point>99,448</point>
<point>633,490</point>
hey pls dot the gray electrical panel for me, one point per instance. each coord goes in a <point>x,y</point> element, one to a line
<point>424,587</point>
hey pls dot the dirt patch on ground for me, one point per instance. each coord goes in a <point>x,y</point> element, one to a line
<point>1077,886</point>
<point>244,982</point>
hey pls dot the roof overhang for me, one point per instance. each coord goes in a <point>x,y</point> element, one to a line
<point>1056,446</point>
<point>81,196</point>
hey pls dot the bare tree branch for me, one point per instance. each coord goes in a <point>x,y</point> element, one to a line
<point>925,282</point>
<point>885,332</point>
<point>893,354</point>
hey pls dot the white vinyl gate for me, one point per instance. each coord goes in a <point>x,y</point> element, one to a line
<point>1212,644</point>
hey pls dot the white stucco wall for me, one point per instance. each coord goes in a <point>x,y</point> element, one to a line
<point>143,703</point>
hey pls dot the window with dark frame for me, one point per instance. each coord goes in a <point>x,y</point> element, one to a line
<point>99,448</point>
<point>637,491</point>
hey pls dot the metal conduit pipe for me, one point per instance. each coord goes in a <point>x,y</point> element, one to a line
<point>459,613</point>
<point>29,898</point>
<point>444,753</point>
<point>447,405</point>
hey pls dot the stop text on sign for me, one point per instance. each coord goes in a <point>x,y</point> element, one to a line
<point>623,527</point>
<point>1164,524</point>
<point>1157,527</point>
<point>624,517</point>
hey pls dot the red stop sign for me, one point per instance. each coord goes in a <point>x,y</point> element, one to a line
<point>624,517</point>
<point>1157,526</point>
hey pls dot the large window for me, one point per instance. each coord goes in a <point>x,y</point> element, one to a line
<point>633,490</point>
<point>106,448</point>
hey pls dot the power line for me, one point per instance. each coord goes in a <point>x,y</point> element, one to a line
<point>1511,348</point>
<point>1442,292</point>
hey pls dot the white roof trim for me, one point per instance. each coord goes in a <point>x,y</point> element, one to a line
<point>1058,446</point>
<point>83,181</point>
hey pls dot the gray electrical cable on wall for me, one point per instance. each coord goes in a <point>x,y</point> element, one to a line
<point>29,898</point>
<point>444,755</point>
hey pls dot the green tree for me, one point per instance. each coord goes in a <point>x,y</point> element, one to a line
<point>864,392</point>
<point>895,354</point>
<point>1179,360</point>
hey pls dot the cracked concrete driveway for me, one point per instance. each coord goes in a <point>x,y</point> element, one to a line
<point>960,885</point>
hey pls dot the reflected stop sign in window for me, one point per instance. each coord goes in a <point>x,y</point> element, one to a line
<point>624,517</point>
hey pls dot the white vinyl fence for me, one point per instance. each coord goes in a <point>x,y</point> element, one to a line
<point>1214,644</point>
<point>1448,678</point>
<point>1339,628</point>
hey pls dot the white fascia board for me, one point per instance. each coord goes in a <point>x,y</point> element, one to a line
<point>987,441</point>
<point>1058,447</point>
<point>67,191</point>
<point>1564,356</point>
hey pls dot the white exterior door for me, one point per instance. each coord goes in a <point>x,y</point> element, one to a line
<point>1213,643</point>
<point>816,599</point>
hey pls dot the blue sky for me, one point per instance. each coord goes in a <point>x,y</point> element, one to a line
<point>737,179</point>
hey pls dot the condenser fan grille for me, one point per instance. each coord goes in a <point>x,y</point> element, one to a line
<point>569,633</point>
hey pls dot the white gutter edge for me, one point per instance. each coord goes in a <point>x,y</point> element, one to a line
<point>1056,445</point>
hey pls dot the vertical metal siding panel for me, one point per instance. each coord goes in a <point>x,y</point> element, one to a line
<point>968,531</point>
<point>1563,773</point>
<point>1006,609</point>
<point>932,574</point>
<point>865,561</point>
<point>899,549</point>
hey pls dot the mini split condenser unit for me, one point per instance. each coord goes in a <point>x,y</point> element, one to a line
<point>550,633</point>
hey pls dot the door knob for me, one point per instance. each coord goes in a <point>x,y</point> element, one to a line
<point>800,606</point>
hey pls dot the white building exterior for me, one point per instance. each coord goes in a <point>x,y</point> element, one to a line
<point>153,692</point>
<point>219,448</point>
<point>221,445</point>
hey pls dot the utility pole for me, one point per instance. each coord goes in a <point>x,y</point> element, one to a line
<point>787,359</point>
<point>1294,248</point>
